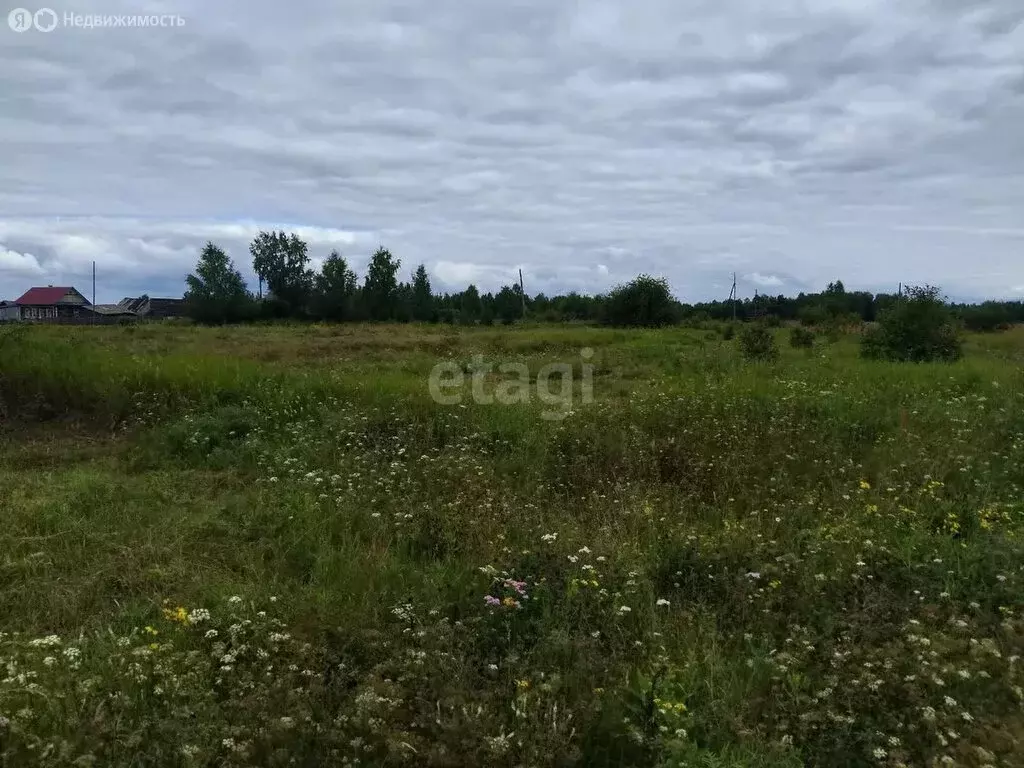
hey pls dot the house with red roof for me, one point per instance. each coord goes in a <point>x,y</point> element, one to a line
<point>53,303</point>
<point>64,304</point>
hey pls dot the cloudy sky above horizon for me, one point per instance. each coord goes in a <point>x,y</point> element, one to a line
<point>792,142</point>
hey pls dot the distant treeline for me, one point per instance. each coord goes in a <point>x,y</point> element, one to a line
<point>288,288</point>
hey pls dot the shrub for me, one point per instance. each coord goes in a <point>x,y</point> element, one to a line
<point>833,331</point>
<point>986,317</point>
<point>918,328</point>
<point>758,343</point>
<point>644,301</point>
<point>801,338</point>
<point>729,332</point>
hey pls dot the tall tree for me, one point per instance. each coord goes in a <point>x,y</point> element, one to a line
<point>422,299</point>
<point>334,290</point>
<point>216,290</point>
<point>470,305</point>
<point>282,261</point>
<point>380,290</point>
<point>508,304</point>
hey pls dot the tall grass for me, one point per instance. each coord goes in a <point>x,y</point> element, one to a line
<point>800,562</point>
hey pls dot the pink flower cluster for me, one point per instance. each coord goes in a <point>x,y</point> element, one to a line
<point>518,587</point>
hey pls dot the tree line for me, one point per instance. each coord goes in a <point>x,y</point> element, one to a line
<point>289,288</point>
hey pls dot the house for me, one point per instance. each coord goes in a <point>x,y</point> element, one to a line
<point>144,306</point>
<point>9,310</point>
<point>53,303</point>
<point>67,305</point>
<point>112,312</point>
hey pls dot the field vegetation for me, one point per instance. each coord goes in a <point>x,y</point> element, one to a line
<point>267,545</point>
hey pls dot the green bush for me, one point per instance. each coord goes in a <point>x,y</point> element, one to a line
<point>918,328</point>
<point>644,301</point>
<point>758,343</point>
<point>801,338</point>
<point>729,332</point>
<point>986,317</point>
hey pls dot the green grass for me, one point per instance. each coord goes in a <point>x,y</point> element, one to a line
<point>814,561</point>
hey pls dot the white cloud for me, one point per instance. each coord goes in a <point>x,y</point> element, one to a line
<point>765,281</point>
<point>19,264</point>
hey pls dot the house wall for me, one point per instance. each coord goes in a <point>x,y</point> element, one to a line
<point>10,313</point>
<point>52,312</point>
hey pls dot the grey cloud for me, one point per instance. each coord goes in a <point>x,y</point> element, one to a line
<point>848,139</point>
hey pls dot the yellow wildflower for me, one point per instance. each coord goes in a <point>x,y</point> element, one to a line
<point>178,614</point>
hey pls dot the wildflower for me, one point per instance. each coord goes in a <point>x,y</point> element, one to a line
<point>45,642</point>
<point>518,586</point>
<point>234,599</point>
<point>491,600</point>
<point>865,486</point>
<point>49,661</point>
<point>210,634</point>
<point>879,753</point>
<point>624,609</point>
<point>198,615</point>
<point>661,601</point>
<point>549,538</point>
<point>523,685</point>
<point>508,602</point>
<point>151,631</point>
<point>178,614</point>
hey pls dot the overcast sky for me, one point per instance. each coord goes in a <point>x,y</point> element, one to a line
<point>793,141</point>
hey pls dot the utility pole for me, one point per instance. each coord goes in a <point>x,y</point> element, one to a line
<point>732,297</point>
<point>94,292</point>
<point>522,293</point>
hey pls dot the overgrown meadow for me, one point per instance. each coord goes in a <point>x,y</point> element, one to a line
<point>269,546</point>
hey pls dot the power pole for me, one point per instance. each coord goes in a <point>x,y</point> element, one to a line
<point>522,293</point>
<point>94,292</point>
<point>732,297</point>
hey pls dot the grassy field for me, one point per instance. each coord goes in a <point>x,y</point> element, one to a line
<point>271,546</point>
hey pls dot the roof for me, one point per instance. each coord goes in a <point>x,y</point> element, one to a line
<point>48,295</point>
<point>110,309</point>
